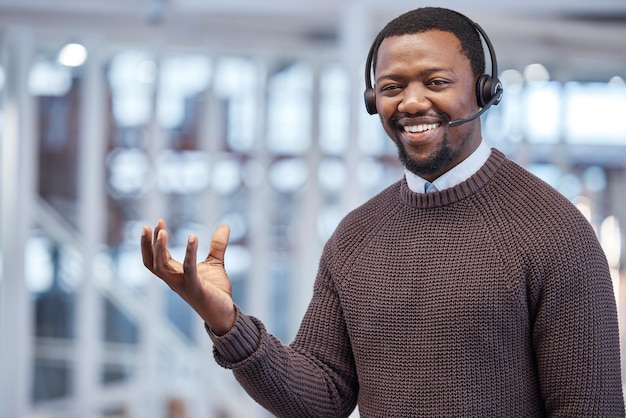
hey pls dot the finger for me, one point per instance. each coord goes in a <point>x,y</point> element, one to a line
<point>219,242</point>
<point>161,254</point>
<point>189,263</point>
<point>160,226</point>
<point>147,251</point>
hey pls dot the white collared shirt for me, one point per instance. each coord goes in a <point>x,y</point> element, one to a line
<point>458,174</point>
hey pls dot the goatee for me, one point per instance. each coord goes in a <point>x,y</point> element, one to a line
<point>431,165</point>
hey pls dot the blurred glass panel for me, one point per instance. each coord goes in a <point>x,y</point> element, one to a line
<point>2,77</point>
<point>281,294</point>
<point>115,373</point>
<point>254,173</point>
<point>2,81</point>
<point>40,267</point>
<point>333,175</point>
<point>227,176</point>
<point>583,204</point>
<point>180,314</point>
<point>131,78</point>
<point>370,173</point>
<point>374,175</point>
<point>568,184</point>
<point>237,83</point>
<point>334,109</point>
<point>128,267</point>
<point>289,107</point>
<point>595,113</point>
<point>129,172</point>
<point>52,275</point>
<point>47,78</point>
<point>58,125</point>
<point>288,175</point>
<point>374,141</point>
<point>52,379</point>
<point>181,78</point>
<point>536,73</point>
<point>504,121</point>
<point>238,260</point>
<point>611,240</point>
<point>595,178</point>
<point>542,104</point>
<point>183,172</point>
<point>55,312</point>
<point>549,173</point>
<point>118,326</point>
<point>327,220</point>
<point>239,225</point>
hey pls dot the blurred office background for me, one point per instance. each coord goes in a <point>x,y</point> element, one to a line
<point>248,112</point>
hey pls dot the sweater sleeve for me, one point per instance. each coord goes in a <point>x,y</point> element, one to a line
<point>312,377</point>
<point>575,330</point>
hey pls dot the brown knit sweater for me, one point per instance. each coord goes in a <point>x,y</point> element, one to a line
<point>489,299</point>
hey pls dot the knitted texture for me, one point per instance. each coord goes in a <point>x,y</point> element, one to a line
<point>489,299</point>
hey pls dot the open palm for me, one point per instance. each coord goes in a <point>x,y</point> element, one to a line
<point>204,286</point>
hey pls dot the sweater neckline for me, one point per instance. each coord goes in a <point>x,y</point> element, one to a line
<point>459,192</point>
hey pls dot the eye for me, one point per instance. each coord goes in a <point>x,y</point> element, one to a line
<point>438,83</point>
<point>389,88</point>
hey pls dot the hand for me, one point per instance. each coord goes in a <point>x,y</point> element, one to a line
<point>204,286</point>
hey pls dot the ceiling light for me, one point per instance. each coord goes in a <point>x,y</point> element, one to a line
<point>72,55</point>
<point>536,73</point>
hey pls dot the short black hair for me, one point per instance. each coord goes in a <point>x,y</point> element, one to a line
<point>433,18</point>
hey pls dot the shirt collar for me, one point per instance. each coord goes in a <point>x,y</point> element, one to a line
<point>458,174</point>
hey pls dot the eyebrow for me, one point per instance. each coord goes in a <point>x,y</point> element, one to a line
<point>422,73</point>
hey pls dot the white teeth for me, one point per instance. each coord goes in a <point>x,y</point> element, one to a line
<point>420,128</point>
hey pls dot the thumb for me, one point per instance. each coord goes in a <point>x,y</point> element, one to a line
<point>219,242</point>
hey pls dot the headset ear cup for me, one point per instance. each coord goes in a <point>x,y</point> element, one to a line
<point>483,94</point>
<point>370,101</point>
<point>487,87</point>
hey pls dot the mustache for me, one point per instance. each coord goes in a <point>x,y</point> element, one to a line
<point>445,118</point>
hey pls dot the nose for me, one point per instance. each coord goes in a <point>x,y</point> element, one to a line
<point>414,99</point>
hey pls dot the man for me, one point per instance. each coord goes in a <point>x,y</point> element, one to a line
<point>487,297</point>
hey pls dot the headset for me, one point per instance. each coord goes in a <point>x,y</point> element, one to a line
<point>488,87</point>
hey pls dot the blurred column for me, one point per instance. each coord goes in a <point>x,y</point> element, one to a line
<point>210,388</point>
<point>354,41</point>
<point>617,206</point>
<point>257,289</point>
<point>308,244</point>
<point>17,198</point>
<point>617,199</point>
<point>92,223</point>
<point>152,315</point>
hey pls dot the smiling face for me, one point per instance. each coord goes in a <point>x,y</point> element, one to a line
<point>423,81</point>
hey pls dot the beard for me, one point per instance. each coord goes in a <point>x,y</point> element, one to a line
<point>430,165</point>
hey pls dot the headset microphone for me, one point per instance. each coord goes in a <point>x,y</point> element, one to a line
<point>476,115</point>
